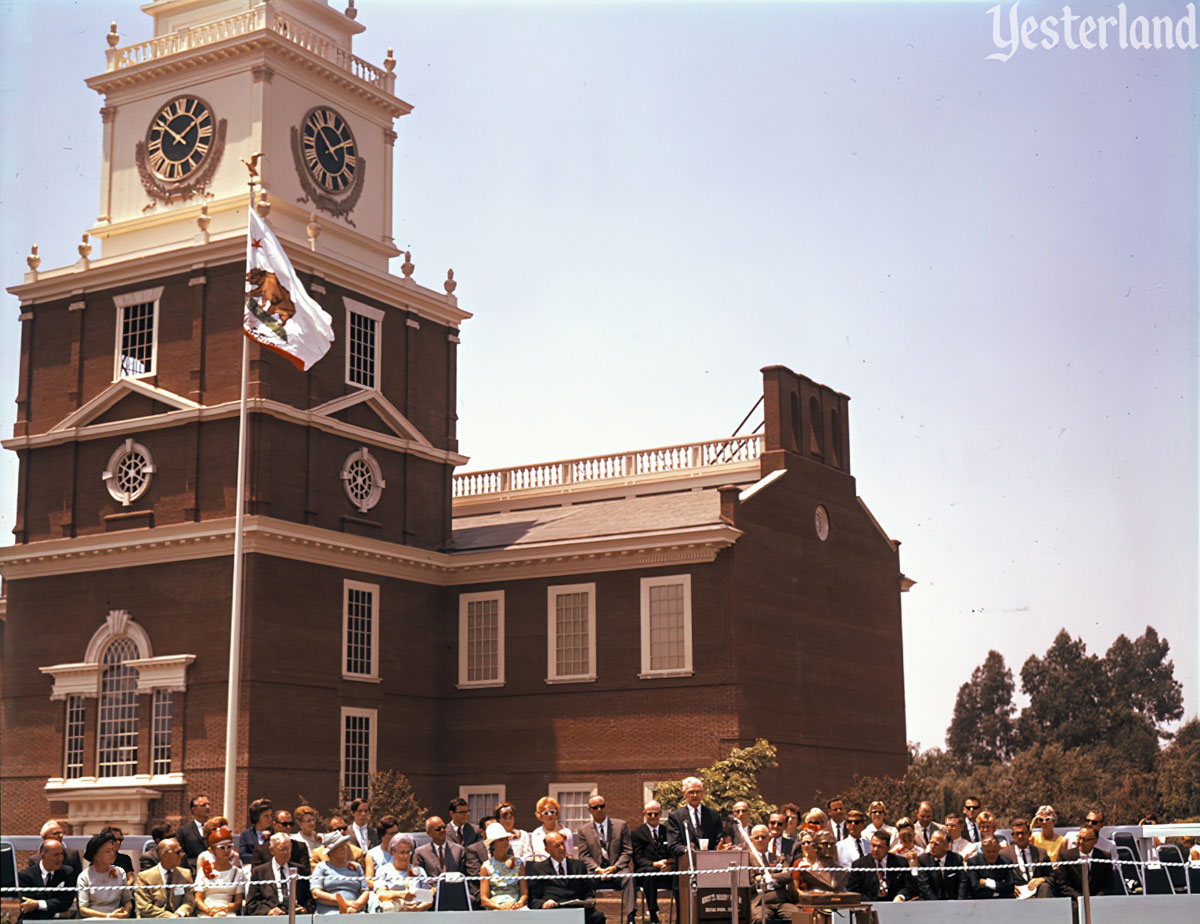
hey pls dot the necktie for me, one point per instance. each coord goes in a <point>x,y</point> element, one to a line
<point>696,820</point>
<point>442,858</point>
<point>654,835</point>
<point>858,844</point>
<point>927,835</point>
<point>559,868</point>
<point>882,879</point>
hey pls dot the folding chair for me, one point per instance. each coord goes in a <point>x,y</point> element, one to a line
<point>1130,870</point>
<point>449,878</point>
<point>1157,881</point>
<point>671,895</point>
<point>1127,840</point>
<point>1169,853</point>
<point>1193,872</point>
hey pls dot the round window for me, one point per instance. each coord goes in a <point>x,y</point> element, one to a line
<point>362,479</point>
<point>128,472</point>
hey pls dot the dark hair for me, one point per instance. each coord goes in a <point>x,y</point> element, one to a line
<point>790,807</point>
<point>881,835</point>
<point>829,802</point>
<point>195,799</point>
<point>97,841</point>
<point>257,807</point>
<point>354,805</point>
<point>117,833</point>
<point>483,822</point>
<point>1018,821</point>
<point>158,832</point>
<point>387,821</point>
<point>456,804</point>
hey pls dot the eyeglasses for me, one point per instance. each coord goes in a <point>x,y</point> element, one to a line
<point>438,828</point>
<point>340,827</point>
<point>224,847</point>
<point>652,814</point>
<point>285,824</point>
<point>552,811</point>
<point>970,808</point>
<point>598,805</point>
<point>875,812</point>
<point>775,824</point>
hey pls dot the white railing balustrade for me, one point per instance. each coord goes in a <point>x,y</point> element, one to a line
<point>682,458</point>
<point>262,17</point>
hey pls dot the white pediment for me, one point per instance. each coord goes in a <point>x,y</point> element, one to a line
<point>114,393</point>
<point>386,411</point>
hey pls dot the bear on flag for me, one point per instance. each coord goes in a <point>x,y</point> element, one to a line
<point>279,314</point>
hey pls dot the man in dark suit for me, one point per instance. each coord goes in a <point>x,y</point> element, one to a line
<point>362,833</point>
<point>1032,870</point>
<point>167,891</point>
<point>269,887</point>
<point>651,855</point>
<point>780,844</point>
<point>989,883</point>
<point>474,857</point>
<point>460,830</point>
<point>560,891</point>
<point>149,858</point>
<point>777,900</point>
<point>443,856</point>
<point>941,873</point>
<point>1068,876</point>
<point>259,832</point>
<point>692,822</point>
<point>299,858</point>
<point>190,834</point>
<point>606,848</point>
<point>53,831</point>
<point>36,883</point>
<point>881,876</point>
<point>925,826</point>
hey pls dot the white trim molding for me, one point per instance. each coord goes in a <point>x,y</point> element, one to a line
<point>555,791</point>
<point>352,480</point>
<point>372,717</point>
<point>552,594</point>
<point>353,307</point>
<point>111,476</point>
<point>126,300</point>
<point>372,675</point>
<point>464,603</point>
<point>125,802</point>
<point>670,580</point>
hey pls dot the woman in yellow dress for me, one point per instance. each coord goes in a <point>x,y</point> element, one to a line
<point>1045,819</point>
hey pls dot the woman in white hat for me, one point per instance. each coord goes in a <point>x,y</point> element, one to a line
<point>396,883</point>
<point>503,886</point>
<point>339,885</point>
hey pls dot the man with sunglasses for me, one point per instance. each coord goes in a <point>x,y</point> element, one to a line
<point>1095,817</point>
<point>651,855</point>
<point>781,845</point>
<point>284,824</point>
<point>606,848</point>
<point>442,855</point>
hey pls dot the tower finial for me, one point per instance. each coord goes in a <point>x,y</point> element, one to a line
<point>390,61</point>
<point>351,12</point>
<point>263,205</point>
<point>407,266</point>
<point>450,285</point>
<point>114,37</point>
<point>314,230</point>
<point>33,260</point>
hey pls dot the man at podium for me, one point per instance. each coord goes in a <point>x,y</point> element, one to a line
<point>692,822</point>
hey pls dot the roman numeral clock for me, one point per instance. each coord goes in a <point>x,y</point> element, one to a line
<point>328,162</point>
<point>182,148</point>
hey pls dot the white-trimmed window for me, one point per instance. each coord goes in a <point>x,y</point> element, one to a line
<point>358,751</point>
<point>74,737</point>
<point>117,740</point>
<point>128,473</point>
<point>360,631</point>
<point>481,639</point>
<point>362,479</point>
<point>649,792</point>
<point>364,344</point>
<point>571,633</point>
<point>667,626</point>
<point>572,802</point>
<point>137,333</point>
<point>160,737</point>
<point>482,800</point>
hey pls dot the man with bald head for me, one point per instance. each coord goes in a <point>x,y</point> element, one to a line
<point>925,826</point>
<point>570,884</point>
<point>776,898</point>
<point>37,882</point>
<point>170,885</point>
<point>651,855</point>
<point>439,856</point>
<point>72,861</point>
<point>941,873</point>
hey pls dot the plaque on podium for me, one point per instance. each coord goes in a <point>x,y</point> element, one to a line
<point>707,894</point>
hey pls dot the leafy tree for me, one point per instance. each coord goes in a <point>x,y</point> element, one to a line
<point>1178,776</point>
<point>982,730</point>
<point>391,794</point>
<point>727,781</point>
<point>1067,693</point>
<point>1143,680</point>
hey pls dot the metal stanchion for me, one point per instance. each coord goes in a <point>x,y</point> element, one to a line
<point>1087,891</point>
<point>291,899</point>
<point>733,891</point>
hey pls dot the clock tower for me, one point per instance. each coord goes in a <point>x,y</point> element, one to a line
<point>126,430</point>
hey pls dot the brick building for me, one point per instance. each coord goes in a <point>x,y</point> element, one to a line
<point>591,623</point>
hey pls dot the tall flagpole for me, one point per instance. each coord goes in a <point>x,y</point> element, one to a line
<point>235,610</point>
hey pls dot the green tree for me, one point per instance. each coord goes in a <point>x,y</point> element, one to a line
<point>1178,775</point>
<point>391,794</point>
<point>1143,679</point>
<point>727,781</point>
<point>1066,690</point>
<point>982,730</point>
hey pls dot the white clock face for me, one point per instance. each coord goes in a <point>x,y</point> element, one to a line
<point>821,522</point>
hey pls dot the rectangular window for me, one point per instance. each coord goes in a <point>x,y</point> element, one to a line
<point>74,737</point>
<point>482,800</point>
<point>360,631</point>
<point>571,631</point>
<point>667,626</point>
<point>160,739</point>
<point>137,333</point>
<point>358,751</point>
<point>481,639</point>
<point>572,800</point>
<point>363,347</point>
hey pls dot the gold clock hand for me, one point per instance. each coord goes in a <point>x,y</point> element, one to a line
<point>176,135</point>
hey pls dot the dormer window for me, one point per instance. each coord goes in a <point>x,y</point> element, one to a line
<point>363,344</point>
<point>137,333</point>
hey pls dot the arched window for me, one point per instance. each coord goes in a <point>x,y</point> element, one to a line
<point>117,737</point>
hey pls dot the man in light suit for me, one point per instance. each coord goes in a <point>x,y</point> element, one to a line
<point>1032,870</point>
<point>474,857</point>
<point>270,885</point>
<point>173,896</point>
<point>853,846</point>
<point>39,898</point>
<point>693,821</point>
<point>651,855</point>
<point>559,892</point>
<point>605,847</point>
<point>443,856</point>
<point>926,826</point>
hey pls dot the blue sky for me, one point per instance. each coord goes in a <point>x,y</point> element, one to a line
<point>646,203</point>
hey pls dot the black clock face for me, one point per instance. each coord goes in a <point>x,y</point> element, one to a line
<point>330,154</point>
<point>179,138</point>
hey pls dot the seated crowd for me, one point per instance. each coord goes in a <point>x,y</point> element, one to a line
<point>360,865</point>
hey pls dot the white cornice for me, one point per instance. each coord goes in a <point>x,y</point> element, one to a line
<point>114,393</point>
<point>388,413</point>
<point>127,269</point>
<point>280,411</point>
<point>300,542</point>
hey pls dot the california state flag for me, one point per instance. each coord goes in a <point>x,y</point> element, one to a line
<point>279,314</point>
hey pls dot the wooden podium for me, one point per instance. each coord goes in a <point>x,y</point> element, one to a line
<point>709,890</point>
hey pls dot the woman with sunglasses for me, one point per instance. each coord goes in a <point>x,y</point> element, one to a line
<point>220,885</point>
<point>1045,819</point>
<point>548,811</point>
<point>102,886</point>
<point>217,821</point>
<point>521,846</point>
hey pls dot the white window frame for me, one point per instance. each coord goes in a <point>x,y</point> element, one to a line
<point>464,602</point>
<point>665,581</point>
<point>375,314</point>
<point>347,586</point>
<point>141,297</point>
<point>552,633</point>
<point>372,749</point>
<point>109,475</point>
<point>497,789</point>
<point>377,483</point>
<point>555,791</point>
<point>648,787</point>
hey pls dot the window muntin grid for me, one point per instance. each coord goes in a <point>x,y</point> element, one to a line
<point>356,755</point>
<point>483,640</point>
<point>160,738</point>
<point>76,728</point>
<point>572,642</point>
<point>572,806</point>
<point>482,804</point>
<point>667,628</point>
<point>360,369</point>
<point>117,739</point>
<point>360,481</point>
<point>131,475</point>
<point>360,612</point>
<point>137,340</point>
